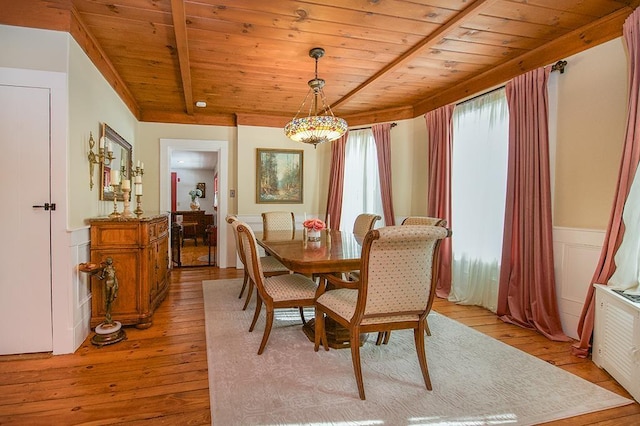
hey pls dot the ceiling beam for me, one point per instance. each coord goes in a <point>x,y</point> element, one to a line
<point>433,39</point>
<point>180,29</point>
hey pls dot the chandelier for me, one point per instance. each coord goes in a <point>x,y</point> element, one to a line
<point>320,125</point>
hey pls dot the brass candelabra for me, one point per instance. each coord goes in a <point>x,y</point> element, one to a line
<point>115,188</point>
<point>102,156</point>
<point>137,187</point>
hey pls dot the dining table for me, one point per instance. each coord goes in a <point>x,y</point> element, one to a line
<point>335,252</point>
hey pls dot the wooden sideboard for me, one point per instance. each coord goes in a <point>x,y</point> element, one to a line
<point>139,248</point>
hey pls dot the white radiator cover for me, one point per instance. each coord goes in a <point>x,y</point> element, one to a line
<point>616,338</point>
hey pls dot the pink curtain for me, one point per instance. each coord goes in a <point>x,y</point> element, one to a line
<point>628,165</point>
<point>382,138</point>
<point>440,133</point>
<point>336,181</point>
<point>526,294</point>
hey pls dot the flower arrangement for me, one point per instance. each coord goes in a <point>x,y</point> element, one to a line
<point>314,224</point>
<point>195,193</point>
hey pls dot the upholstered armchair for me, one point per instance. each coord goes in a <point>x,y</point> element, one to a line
<point>279,221</point>
<point>364,223</point>
<point>398,272</point>
<point>270,266</point>
<point>279,291</point>
<point>383,338</point>
<point>424,220</point>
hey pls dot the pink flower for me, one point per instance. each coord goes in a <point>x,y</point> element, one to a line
<point>314,224</point>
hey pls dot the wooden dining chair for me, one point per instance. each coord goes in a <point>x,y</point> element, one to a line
<point>278,221</point>
<point>279,291</point>
<point>364,223</point>
<point>270,266</point>
<point>383,338</point>
<point>424,220</point>
<point>398,275</point>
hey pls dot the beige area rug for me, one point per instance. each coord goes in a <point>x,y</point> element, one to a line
<point>476,380</point>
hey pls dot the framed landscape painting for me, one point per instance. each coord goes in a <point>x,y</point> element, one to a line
<point>279,176</point>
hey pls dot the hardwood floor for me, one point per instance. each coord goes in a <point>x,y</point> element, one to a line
<point>192,255</point>
<point>158,376</point>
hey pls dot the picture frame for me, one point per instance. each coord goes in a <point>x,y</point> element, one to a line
<point>202,187</point>
<point>279,176</point>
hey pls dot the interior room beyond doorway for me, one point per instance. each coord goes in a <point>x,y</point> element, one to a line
<point>194,206</point>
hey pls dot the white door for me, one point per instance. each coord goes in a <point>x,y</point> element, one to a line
<point>25,259</point>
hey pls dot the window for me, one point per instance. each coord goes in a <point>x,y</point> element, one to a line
<point>478,190</point>
<point>361,193</point>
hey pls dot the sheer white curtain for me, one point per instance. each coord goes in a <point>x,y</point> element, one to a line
<point>361,193</point>
<point>627,258</point>
<point>478,187</point>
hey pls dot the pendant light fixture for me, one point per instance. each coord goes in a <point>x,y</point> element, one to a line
<point>320,125</point>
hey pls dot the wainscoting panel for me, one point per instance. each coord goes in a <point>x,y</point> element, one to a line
<point>576,255</point>
<point>80,253</point>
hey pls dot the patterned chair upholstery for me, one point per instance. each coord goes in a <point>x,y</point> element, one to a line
<point>278,221</point>
<point>364,223</point>
<point>424,220</point>
<point>396,290</point>
<point>383,338</point>
<point>270,266</point>
<point>280,291</point>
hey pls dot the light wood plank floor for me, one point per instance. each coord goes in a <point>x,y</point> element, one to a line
<point>158,376</point>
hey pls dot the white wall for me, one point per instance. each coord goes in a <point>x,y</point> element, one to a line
<point>592,106</point>
<point>187,181</point>
<point>92,101</point>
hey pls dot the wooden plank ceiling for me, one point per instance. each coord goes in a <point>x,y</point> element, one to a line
<point>385,59</point>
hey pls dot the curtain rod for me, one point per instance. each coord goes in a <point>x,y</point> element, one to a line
<point>365,128</point>
<point>558,66</point>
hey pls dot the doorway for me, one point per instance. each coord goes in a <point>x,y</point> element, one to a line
<point>170,148</point>
<point>193,207</point>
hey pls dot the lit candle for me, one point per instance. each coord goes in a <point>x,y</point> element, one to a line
<point>115,177</point>
<point>138,189</point>
<point>126,184</point>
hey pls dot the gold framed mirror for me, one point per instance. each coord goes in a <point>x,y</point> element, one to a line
<point>121,158</point>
